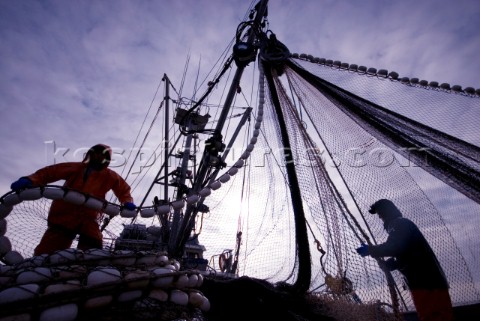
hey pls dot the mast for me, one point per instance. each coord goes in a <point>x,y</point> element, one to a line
<point>214,145</point>
<point>167,152</point>
<point>166,136</point>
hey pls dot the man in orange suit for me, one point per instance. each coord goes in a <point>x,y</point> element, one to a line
<point>67,220</point>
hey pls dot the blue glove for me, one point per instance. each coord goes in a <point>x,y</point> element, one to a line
<point>363,250</point>
<point>129,206</point>
<point>23,182</point>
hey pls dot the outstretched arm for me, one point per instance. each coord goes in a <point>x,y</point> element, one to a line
<point>54,173</point>
<point>121,189</point>
<point>397,241</point>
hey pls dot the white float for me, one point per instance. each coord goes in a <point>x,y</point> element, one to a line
<point>100,256</point>
<point>62,287</point>
<point>5,210</point>
<point>53,193</point>
<point>17,293</point>
<point>38,260</point>
<point>162,260</point>
<point>215,185</point>
<point>94,203</point>
<point>192,280</point>
<point>3,227</point>
<point>176,264</point>
<point>31,194</point>
<point>224,178</point>
<point>178,204</point>
<point>204,192</point>
<point>182,281</point>
<point>65,256</point>
<point>66,312</point>
<point>37,275</point>
<point>158,294</point>
<point>164,277</point>
<point>13,258</point>
<point>128,213</point>
<point>5,268</point>
<point>178,297</point>
<point>124,258</point>
<point>200,280</point>
<point>103,276</point>
<point>111,209</point>
<point>245,155</point>
<point>147,259</point>
<point>164,209</point>
<point>11,199</point>
<point>195,299</point>
<point>5,245</point>
<point>137,279</point>
<point>73,271</point>
<point>205,306</point>
<point>147,212</point>
<point>192,199</point>
<point>232,171</point>
<point>74,197</point>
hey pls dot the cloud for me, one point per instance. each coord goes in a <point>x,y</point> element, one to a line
<point>80,73</point>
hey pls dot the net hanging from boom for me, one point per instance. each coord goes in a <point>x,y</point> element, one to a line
<point>357,138</point>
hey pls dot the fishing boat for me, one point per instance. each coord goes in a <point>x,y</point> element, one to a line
<point>256,209</point>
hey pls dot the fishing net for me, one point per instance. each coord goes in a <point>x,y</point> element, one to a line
<point>355,137</point>
<point>138,283</point>
<point>398,142</point>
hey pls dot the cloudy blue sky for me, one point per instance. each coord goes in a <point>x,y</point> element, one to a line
<point>75,73</point>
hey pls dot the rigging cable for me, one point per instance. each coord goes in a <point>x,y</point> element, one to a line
<point>240,29</point>
<point>185,69</point>
<point>141,127</point>
<point>145,138</point>
<point>205,95</point>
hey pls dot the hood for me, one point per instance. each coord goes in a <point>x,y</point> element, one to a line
<point>385,209</point>
<point>98,156</point>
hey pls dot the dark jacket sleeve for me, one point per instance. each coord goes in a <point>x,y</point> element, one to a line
<point>399,236</point>
<point>414,257</point>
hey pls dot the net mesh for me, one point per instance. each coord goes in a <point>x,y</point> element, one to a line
<point>345,163</point>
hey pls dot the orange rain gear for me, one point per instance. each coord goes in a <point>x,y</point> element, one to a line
<point>66,220</point>
<point>433,304</point>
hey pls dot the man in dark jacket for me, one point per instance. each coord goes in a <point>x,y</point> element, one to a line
<point>412,255</point>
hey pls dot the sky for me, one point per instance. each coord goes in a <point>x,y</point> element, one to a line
<point>77,73</point>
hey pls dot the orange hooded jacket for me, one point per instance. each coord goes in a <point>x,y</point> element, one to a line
<point>79,176</point>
